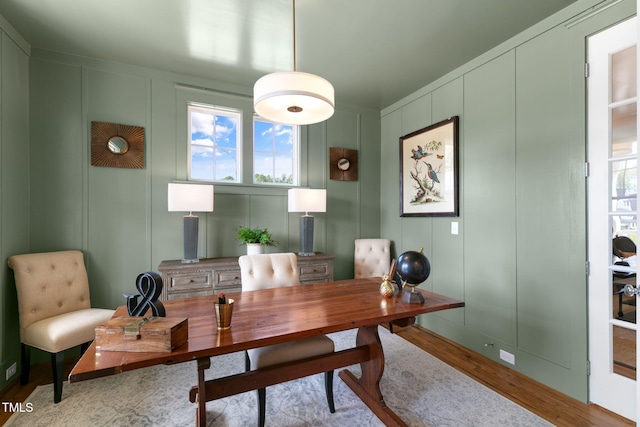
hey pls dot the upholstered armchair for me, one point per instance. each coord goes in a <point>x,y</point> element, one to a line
<point>54,308</point>
<point>372,258</point>
<point>271,271</point>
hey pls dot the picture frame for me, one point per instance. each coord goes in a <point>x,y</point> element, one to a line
<point>429,170</point>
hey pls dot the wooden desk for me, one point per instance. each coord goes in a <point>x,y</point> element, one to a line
<point>272,316</point>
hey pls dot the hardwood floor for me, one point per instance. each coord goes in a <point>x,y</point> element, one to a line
<point>547,403</point>
<point>553,406</point>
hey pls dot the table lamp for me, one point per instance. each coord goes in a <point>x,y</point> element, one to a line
<point>307,200</point>
<point>190,198</point>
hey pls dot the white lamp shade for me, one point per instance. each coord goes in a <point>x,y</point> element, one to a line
<point>307,200</point>
<point>190,198</point>
<point>293,98</point>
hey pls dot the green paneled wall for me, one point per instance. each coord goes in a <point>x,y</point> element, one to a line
<point>57,194</point>
<point>519,260</point>
<point>489,198</point>
<point>14,186</point>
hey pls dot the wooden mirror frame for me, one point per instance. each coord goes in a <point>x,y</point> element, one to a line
<point>131,156</point>
<point>343,164</point>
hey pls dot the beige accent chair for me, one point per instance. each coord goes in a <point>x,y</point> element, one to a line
<point>272,271</point>
<point>54,308</point>
<point>372,258</point>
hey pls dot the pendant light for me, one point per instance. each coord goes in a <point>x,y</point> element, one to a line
<point>293,97</point>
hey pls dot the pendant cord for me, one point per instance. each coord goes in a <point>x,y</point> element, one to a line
<point>294,35</point>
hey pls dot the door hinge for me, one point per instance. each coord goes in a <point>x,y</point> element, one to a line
<point>588,367</point>
<point>587,169</point>
<point>587,267</point>
<point>586,70</point>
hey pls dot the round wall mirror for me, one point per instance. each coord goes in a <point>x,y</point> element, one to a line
<point>343,164</point>
<point>118,145</point>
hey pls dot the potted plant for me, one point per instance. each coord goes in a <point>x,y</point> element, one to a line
<point>255,239</point>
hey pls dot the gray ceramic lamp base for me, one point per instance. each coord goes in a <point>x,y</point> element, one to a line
<point>190,239</point>
<point>306,236</point>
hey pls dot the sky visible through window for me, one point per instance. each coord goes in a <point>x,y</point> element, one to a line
<point>214,145</point>
<point>274,147</point>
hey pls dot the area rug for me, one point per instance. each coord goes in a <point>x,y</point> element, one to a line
<point>421,389</point>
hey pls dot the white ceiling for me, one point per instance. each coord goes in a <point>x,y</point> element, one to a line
<point>373,51</point>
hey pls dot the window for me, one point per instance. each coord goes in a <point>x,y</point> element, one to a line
<point>214,140</point>
<point>275,153</point>
<point>216,147</point>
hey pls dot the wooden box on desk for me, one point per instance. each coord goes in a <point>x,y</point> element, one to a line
<point>161,334</point>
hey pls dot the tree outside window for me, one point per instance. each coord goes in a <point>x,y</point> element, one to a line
<point>275,153</point>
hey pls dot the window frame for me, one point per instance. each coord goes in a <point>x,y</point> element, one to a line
<point>186,95</point>
<point>295,155</point>
<point>217,110</point>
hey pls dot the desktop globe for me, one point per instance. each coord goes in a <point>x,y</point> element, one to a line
<point>413,267</point>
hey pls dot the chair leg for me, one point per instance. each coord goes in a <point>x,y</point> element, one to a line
<point>262,393</point>
<point>57,366</point>
<point>25,360</point>
<point>390,327</point>
<point>262,405</point>
<point>328,385</point>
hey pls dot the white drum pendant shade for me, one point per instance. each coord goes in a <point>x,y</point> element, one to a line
<point>293,98</point>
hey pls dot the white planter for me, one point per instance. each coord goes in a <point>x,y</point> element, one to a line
<point>255,249</point>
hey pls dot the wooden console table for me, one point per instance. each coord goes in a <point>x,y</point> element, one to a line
<point>213,275</point>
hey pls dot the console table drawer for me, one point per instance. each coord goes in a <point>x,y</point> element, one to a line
<point>190,281</point>
<point>228,280</point>
<point>313,270</point>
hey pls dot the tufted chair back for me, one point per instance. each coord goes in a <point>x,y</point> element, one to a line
<point>268,271</point>
<point>49,284</point>
<point>372,258</point>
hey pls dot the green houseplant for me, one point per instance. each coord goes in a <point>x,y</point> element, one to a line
<point>253,237</point>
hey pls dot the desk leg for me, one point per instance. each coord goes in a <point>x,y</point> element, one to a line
<point>201,410</point>
<point>367,387</point>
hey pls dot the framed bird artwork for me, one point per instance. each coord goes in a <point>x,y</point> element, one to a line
<point>429,170</point>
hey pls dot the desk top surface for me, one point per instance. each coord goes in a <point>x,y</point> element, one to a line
<point>265,317</point>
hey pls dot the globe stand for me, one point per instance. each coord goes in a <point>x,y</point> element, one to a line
<point>410,295</point>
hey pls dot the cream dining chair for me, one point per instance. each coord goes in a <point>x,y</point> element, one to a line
<point>271,271</point>
<point>372,258</point>
<point>54,308</point>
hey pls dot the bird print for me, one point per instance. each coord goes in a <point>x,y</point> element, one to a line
<point>432,174</point>
<point>419,153</point>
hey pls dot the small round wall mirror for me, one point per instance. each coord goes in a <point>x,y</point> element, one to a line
<point>118,145</point>
<point>343,164</point>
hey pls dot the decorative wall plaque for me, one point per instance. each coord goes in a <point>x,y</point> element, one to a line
<point>117,146</point>
<point>343,164</point>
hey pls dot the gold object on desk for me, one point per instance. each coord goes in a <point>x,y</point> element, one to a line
<point>389,288</point>
<point>223,314</point>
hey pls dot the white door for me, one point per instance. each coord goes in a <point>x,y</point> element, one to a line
<point>612,210</point>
